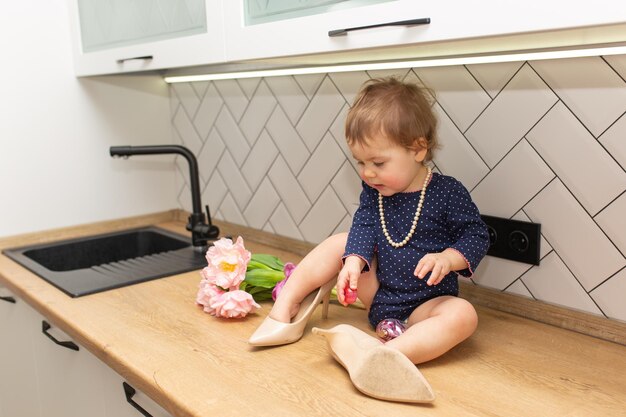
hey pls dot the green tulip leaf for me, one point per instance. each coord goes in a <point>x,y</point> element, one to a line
<point>256,265</point>
<point>266,278</point>
<point>268,260</point>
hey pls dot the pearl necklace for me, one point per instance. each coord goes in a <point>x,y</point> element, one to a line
<point>415,219</point>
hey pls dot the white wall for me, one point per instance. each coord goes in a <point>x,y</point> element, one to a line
<point>55,130</point>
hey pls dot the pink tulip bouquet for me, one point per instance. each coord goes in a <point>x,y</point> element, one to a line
<point>234,279</point>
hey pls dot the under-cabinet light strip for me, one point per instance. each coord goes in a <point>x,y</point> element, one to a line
<point>526,56</point>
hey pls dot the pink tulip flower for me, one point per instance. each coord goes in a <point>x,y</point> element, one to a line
<point>227,262</point>
<point>234,304</point>
<point>287,269</point>
<point>207,296</point>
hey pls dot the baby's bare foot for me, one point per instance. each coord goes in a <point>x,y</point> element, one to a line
<point>283,311</point>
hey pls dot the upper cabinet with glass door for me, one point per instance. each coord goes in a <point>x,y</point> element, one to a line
<point>117,36</point>
<point>257,29</point>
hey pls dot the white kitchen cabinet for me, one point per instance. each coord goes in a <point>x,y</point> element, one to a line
<point>18,374</point>
<point>450,20</point>
<point>39,378</point>
<point>68,380</point>
<point>116,404</point>
<point>119,36</point>
<point>77,384</point>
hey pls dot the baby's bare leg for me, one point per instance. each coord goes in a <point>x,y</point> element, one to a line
<point>436,327</point>
<point>317,268</point>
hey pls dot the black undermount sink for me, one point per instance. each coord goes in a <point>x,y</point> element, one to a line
<point>102,262</point>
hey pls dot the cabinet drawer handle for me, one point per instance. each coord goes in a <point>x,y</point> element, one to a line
<point>45,326</point>
<point>135,58</point>
<point>130,393</point>
<point>8,299</point>
<point>412,22</point>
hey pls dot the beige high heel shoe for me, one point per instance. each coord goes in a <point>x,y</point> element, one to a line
<point>375,369</point>
<point>272,332</point>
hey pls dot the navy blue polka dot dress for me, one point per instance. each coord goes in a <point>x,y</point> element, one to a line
<point>449,219</point>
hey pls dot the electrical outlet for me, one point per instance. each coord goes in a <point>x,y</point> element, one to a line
<point>513,239</point>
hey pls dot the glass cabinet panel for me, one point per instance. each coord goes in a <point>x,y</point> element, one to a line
<point>263,11</point>
<point>108,24</point>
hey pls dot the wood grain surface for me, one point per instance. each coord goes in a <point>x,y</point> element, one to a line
<point>193,364</point>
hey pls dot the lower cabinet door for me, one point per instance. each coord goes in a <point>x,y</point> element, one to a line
<point>18,373</point>
<point>69,380</point>
<point>43,373</point>
<point>127,403</point>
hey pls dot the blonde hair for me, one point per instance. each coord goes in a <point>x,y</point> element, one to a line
<point>398,110</point>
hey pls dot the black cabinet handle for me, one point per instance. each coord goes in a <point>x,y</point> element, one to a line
<point>130,393</point>
<point>135,58</point>
<point>412,22</point>
<point>45,326</point>
<point>8,299</point>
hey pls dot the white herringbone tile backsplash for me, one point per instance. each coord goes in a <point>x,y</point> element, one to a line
<point>541,141</point>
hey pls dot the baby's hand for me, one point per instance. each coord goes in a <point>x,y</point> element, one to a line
<point>348,277</point>
<point>438,264</point>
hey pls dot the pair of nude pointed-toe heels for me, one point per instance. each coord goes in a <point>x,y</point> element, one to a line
<point>375,369</point>
<point>272,332</point>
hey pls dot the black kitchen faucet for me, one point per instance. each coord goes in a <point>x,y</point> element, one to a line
<point>201,232</point>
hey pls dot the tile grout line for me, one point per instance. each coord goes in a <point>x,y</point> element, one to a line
<point>191,119</point>
<point>333,178</point>
<point>494,99</point>
<point>286,209</point>
<point>250,152</point>
<point>593,218</point>
<point>578,281</point>
<point>568,107</point>
<point>607,279</point>
<point>611,66</point>
<point>567,266</point>
<point>257,188</point>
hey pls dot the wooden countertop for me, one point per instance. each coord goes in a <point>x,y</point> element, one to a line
<point>193,364</point>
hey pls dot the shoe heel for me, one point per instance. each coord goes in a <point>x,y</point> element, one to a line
<point>272,332</point>
<point>325,305</point>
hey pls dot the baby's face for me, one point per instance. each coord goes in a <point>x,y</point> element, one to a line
<point>388,167</point>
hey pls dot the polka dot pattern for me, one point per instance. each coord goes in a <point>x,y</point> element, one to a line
<point>449,219</point>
